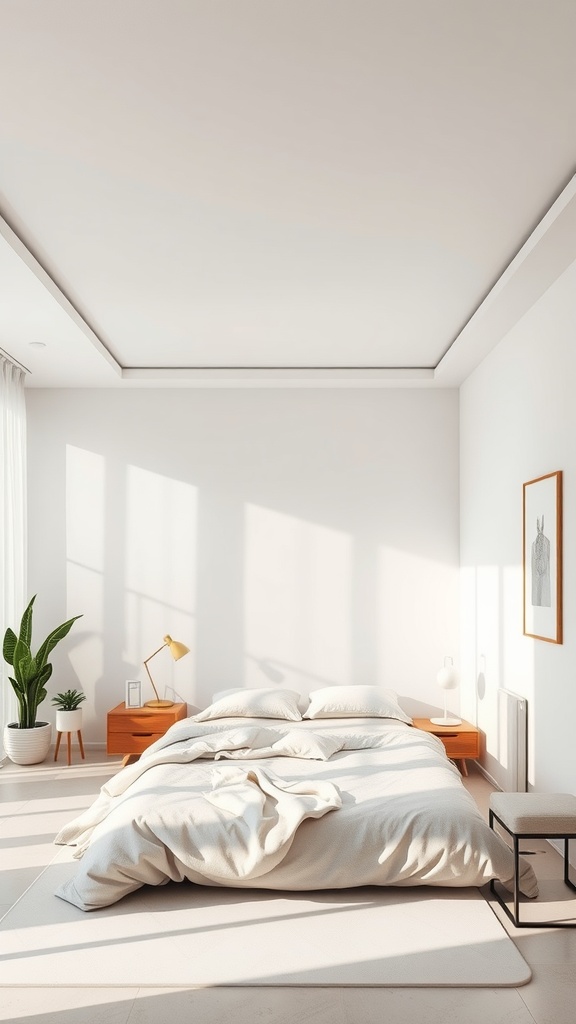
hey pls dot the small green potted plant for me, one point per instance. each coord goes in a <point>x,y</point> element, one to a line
<point>68,710</point>
<point>27,741</point>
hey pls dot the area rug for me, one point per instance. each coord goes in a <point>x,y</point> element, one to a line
<point>192,936</point>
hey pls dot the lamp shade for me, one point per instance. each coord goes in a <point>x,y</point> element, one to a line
<point>177,650</point>
<point>447,678</point>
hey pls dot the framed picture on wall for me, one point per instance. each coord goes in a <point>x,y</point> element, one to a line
<point>542,557</point>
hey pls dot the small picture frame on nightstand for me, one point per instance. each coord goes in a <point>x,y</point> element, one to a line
<point>133,693</point>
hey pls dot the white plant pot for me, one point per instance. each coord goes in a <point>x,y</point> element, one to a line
<point>69,721</point>
<point>27,746</point>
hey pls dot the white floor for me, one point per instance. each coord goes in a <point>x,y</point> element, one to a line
<point>36,801</point>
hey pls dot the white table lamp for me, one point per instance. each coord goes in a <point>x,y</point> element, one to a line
<point>447,680</point>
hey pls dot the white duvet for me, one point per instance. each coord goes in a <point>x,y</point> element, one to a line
<point>281,805</point>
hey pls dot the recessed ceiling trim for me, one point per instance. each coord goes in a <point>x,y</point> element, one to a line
<point>34,265</point>
<point>548,251</point>
<point>266,375</point>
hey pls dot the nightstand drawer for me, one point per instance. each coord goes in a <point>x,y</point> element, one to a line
<point>140,721</point>
<point>130,743</point>
<point>463,744</point>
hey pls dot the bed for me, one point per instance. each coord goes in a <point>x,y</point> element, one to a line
<point>259,790</point>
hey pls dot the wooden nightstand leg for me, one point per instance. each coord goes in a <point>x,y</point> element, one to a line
<point>58,738</point>
<point>69,744</point>
<point>81,744</point>
<point>463,766</point>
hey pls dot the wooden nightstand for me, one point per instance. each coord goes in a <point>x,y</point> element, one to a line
<point>130,730</point>
<point>461,741</point>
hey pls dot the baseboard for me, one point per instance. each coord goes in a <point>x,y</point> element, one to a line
<point>558,845</point>
<point>487,776</point>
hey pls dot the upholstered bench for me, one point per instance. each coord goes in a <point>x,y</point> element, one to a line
<point>534,816</point>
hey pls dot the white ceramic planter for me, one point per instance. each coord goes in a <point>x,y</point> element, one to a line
<point>27,746</point>
<point>69,721</point>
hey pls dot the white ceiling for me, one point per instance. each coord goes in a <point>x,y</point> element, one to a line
<point>279,191</point>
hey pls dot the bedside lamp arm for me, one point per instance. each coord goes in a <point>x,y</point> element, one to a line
<point>148,670</point>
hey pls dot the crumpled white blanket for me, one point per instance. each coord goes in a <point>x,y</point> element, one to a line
<point>245,825</point>
<point>244,743</point>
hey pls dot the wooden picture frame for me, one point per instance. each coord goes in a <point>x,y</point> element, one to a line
<point>542,557</point>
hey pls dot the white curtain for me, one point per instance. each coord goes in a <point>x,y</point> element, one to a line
<point>12,517</point>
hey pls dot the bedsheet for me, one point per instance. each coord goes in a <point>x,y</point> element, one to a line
<point>290,806</point>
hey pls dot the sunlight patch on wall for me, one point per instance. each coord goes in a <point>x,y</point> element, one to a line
<point>518,651</point>
<point>85,545</point>
<point>160,571</point>
<point>298,592</point>
<point>495,656</point>
<point>417,622</point>
<point>472,659</point>
<point>518,668</point>
<point>488,616</point>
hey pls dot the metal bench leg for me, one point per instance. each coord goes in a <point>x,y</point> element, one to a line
<point>567,878</point>
<point>516,881</point>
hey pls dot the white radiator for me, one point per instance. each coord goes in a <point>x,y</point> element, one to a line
<point>513,740</point>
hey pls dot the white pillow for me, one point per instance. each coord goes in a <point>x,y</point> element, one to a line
<point>253,704</point>
<point>302,701</point>
<point>355,702</point>
<point>301,743</point>
<point>226,693</point>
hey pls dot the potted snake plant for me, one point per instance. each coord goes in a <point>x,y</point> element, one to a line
<point>27,741</point>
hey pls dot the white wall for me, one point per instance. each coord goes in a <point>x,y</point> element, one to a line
<point>518,422</point>
<point>287,537</point>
